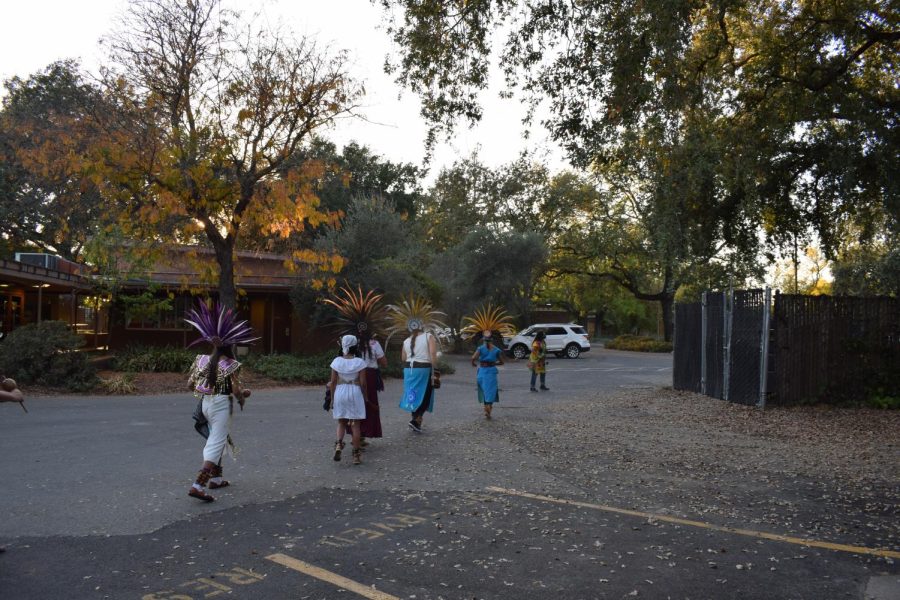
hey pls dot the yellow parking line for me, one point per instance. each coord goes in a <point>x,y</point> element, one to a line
<point>747,532</point>
<point>329,577</point>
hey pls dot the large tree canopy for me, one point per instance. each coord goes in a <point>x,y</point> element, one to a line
<point>339,180</point>
<point>799,98</point>
<point>358,171</point>
<point>489,266</point>
<point>380,249</point>
<point>521,196</point>
<point>210,110</point>
<point>47,197</point>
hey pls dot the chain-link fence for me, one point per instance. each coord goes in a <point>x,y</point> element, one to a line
<point>688,340</point>
<point>726,355</point>
<point>746,359</point>
<point>831,349</point>
<point>713,359</point>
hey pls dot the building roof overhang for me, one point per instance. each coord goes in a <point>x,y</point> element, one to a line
<point>48,280</point>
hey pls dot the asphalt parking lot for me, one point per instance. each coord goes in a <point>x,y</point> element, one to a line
<point>96,505</point>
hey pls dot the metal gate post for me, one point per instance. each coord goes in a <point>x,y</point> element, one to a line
<point>703,343</point>
<point>674,343</point>
<point>728,305</point>
<point>764,348</point>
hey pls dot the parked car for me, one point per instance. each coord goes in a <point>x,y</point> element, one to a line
<point>563,339</point>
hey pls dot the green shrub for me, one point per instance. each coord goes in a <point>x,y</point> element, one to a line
<point>46,353</point>
<point>639,343</point>
<point>395,367</point>
<point>884,402</point>
<point>149,359</point>
<point>316,369</point>
<point>295,369</point>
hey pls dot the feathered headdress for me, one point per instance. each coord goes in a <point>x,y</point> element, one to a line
<point>487,318</point>
<point>359,314</point>
<point>414,312</point>
<point>219,326</point>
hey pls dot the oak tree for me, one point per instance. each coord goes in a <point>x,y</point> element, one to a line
<point>48,197</point>
<point>791,107</point>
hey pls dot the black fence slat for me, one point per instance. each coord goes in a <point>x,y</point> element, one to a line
<point>715,345</point>
<point>746,341</point>
<point>686,352</point>
<point>835,349</point>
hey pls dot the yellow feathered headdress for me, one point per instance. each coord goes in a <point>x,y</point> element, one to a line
<point>488,318</point>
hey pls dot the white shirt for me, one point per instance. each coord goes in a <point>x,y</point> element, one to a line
<point>375,352</point>
<point>420,353</point>
<point>348,368</point>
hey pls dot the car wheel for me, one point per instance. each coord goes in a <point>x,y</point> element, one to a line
<point>572,351</point>
<point>520,351</point>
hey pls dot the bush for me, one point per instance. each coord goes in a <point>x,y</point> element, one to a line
<point>119,384</point>
<point>149,359</point>
<point>395,367</point>
<point>639,343</point>
<point>46,353</point>
<point>316,369</point>
<point>884,402</point>
<point>297,369</point>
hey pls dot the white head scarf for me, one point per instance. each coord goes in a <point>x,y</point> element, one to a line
<point>347,342</point>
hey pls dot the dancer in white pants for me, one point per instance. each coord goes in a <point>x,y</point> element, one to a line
<point>216,388</point>
<point>217,410</point>
<point>214,378</point>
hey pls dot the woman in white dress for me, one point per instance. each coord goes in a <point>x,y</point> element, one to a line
<point>348,385</point>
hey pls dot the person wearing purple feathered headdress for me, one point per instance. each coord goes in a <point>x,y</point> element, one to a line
<point>214,379</point>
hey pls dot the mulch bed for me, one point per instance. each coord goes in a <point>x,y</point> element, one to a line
<point>155,383</point>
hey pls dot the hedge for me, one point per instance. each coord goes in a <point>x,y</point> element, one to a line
<point>315,369</point>
<point>639,343</point>
<point>150,359</point>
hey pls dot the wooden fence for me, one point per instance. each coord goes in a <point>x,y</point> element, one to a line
<point>835,349</point>
<point>814,348</point>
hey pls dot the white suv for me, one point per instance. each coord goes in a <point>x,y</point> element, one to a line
<point>563,339</point>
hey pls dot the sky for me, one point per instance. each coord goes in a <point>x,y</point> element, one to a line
<point>34,34</point>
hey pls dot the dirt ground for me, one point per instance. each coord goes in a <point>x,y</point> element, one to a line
<point>800,469</point>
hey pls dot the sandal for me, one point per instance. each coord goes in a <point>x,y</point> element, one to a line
<point>338,446</point>
<point>200,495</point>
<point>215,486</point>
<point>357,456</point>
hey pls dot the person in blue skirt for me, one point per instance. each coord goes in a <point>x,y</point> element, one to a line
<point>419,356</point>
<point>486,358</point>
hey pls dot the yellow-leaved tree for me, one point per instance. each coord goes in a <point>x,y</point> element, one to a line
<point>208,110</point>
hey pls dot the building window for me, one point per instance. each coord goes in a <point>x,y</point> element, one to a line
<point>169,317</point>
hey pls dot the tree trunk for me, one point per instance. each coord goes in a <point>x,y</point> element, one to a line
<point>225,259</point>
<point>598,322</point>
<point>667,303</point>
